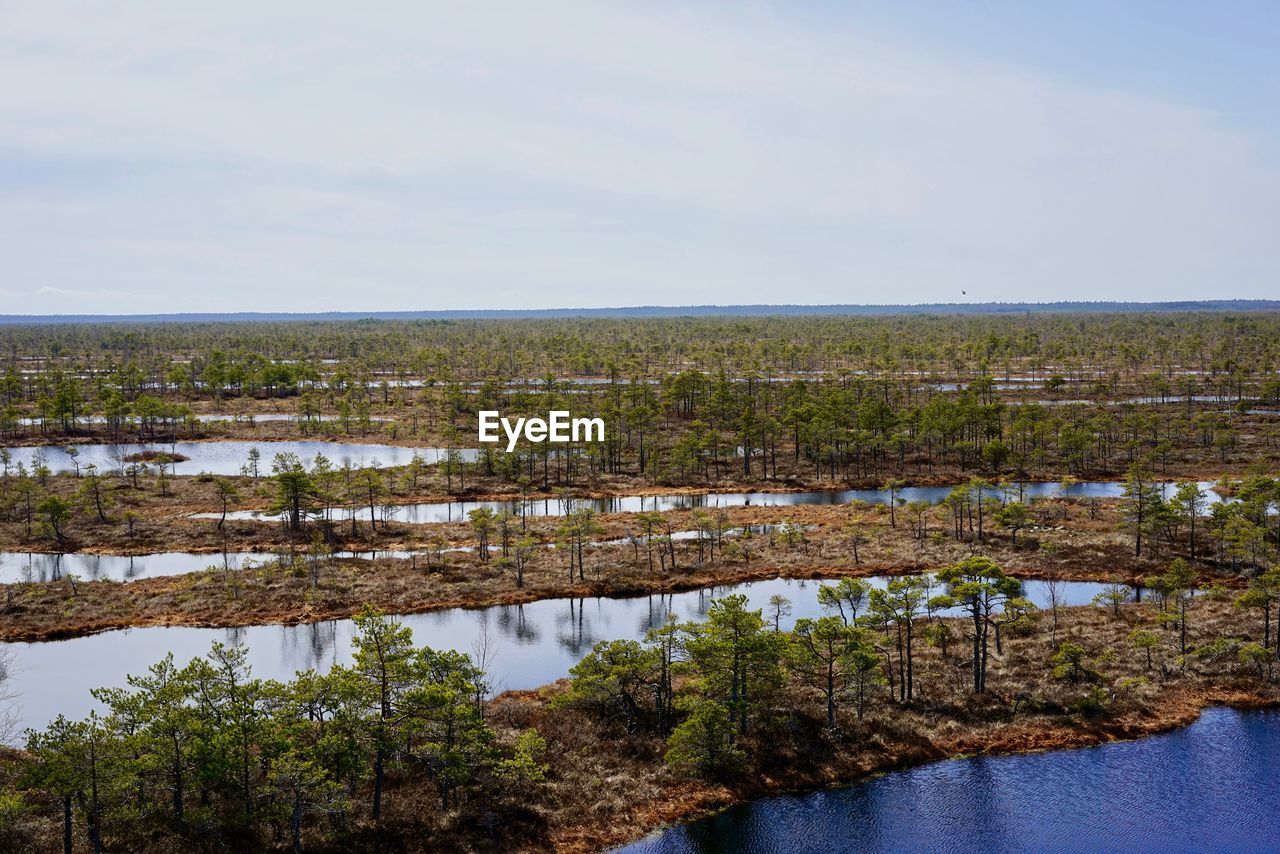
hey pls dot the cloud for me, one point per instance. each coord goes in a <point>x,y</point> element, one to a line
<point>99,294</point>
<point>565,153</point>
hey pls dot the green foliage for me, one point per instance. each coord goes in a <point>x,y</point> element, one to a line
<point>1257,657</point>
<point>1216,649</point>
<point>1113,596</point>
<point>482,520</point>
<point>791,535</point>
<point>839,659</point>
<point>54,513</point>
<point>898,605</point>
<point>617,680</point>
<point>858,413</point>
<point>702,745</point>
<point>209,745</point>
<point>739,659</point>
<point>1095,703</point>
<point>1145,640</point>
<point>980,586</point>
<point>575,530</point>
<point>847,596</point>
<point>1070,663</point>
<point>524,765</point>
<point>1127,684</point>
<point>1143,506</point>
<point>1014,516</point>
<point>1177,586</point>
<point>297,495</point>
<point>12,808</point>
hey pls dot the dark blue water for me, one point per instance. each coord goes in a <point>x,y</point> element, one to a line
<point>1211,787</point>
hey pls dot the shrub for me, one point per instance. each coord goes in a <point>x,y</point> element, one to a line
<point>1217,649</point>
<point>1093,704</point>
<point>702,745</point>
<point>1258,657</point>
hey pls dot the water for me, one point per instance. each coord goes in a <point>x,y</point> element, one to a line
<point>1211,787</point>
<point>42,566</point>
<point>20,566</point>
<point>1011,384</point>
<point>35,566</point>
<point>215,417</point>
<point>255,417</point>
<point>1175,398</point>
<point>456,511</point>
<point>228,457</point>
<point>531,644</point>
<point>1138,401</point>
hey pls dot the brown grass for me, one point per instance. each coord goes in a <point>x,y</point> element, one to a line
<point>606,786</point>
<point>1084,545</point>
<point>609,788</point>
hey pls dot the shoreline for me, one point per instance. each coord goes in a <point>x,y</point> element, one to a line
<point>1084,548</point>
<point>587,590</point>
<point>631,588</point>
<point>1189,705</point>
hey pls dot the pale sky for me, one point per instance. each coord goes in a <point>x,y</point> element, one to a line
<point>167,157</point>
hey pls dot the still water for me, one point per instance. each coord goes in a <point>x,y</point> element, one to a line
<point>529,645</point>
<point>217,417</point>
<point>456,511</point>
<point>1211,787</point>
<point>227,458</point>
<point>24,566</point>
<point>36,566</point>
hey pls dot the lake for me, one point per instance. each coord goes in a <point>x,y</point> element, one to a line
<point>531,644</point>
<point>456,511</point>
<point>37,566</point>
<point>27,566</point>
<point>227,457</point>
<point>216,418</point>
<point>1210,787</point>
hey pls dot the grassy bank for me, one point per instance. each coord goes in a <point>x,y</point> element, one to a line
<point>1074,541</point>
<point>601,782</point>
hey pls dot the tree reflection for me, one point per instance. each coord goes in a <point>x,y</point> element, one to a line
<point>512,622</point>
<point>573,635</point>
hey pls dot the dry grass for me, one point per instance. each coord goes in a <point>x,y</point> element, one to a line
<point>609,787</point>
<point>1082,543</point>
<point>605,786</point>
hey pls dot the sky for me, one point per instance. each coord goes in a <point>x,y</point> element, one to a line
<point>178,157</point>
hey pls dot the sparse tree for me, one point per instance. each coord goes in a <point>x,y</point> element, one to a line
<point>779,607</point>
<point>1145,640</point>
<point>846,597</point>
<point>980,586</point>
<point>226,492</point>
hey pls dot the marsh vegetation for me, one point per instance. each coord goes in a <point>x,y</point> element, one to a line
<point>306,473</point>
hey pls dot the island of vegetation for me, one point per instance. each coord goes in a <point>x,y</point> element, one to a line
<point>922,469</point>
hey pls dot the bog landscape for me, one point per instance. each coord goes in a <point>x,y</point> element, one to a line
<point>263,588</point>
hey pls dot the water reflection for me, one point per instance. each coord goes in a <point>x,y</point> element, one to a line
<point>456,511</point>
<point>29,567</point>
<point>531,644</point>
<point>38,567</point>
<point>226,457</point>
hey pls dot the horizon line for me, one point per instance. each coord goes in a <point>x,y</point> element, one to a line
<point>692,310</point>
